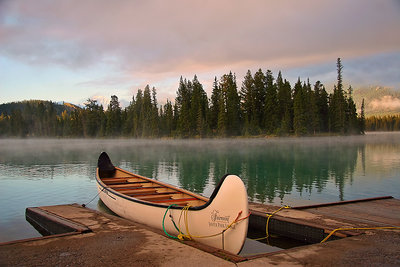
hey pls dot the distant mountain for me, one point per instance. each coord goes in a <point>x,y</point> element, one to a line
<point>21,105</point>
<point>379,100</point>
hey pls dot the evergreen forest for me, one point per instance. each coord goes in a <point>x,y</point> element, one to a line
<point>262,105</point>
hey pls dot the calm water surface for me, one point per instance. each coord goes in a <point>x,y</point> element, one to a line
<point>290,171</point>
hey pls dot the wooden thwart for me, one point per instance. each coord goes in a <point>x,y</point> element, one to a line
<point>138,186</point>
<point>140,189</point>
<point>175,200</point>
<point>127,184</point>
<point>143,189</point>
<point>154,193</point>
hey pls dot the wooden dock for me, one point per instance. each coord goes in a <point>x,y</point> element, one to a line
<point>314,222</point>
<point>383,211</point>
<point>82,236</point>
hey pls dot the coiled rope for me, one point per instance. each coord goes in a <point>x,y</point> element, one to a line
<point>188,236</point>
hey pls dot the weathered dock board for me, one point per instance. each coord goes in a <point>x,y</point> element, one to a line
<point>368,212</point>
<point>113,241</point>
<point>358,213</point>
<point>103,239</point>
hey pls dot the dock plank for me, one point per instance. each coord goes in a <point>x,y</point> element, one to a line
<point>383,212</point>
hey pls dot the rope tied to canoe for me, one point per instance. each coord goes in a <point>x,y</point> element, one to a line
<point>184,213</point>
<point>269,215</point>
<point>84,205</point>
<point>172,219</point>
<point>360,228</point>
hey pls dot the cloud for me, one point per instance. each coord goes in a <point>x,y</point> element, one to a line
<point>165,36</point>
<point>385,103</point>
<point>155,41</point>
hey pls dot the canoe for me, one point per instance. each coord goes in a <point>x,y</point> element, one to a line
<point>220,221</point>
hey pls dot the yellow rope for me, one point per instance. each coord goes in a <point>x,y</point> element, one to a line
<point>365,228</point>
<point>181,235</point>
<point>267,224</point>
<point>188,236</point>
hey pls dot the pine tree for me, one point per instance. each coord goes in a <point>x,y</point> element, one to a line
<point>247,102</point>
<point>168,118</point>
<point>232,103</point>
<point>183,100</point>
<point>338,104</point>
<point>92,118</point>
<point>4,124</point>
<point>51,120</point>
<point>300,110</point>
<point>222,120</point>
<point>113,114</point>
<point>286,103</point>
<point>129,122</point>
<point>362,118</point>
<point>214,106</point>
<point>352,123</point>
<point>271,105</point>
<point>260,90</point>
<point>311,112</point>
<point>137,115</point>
<point>154,123</point>
<point>76,128</point>
<point>198,108</point>
<point>321,100</point>
<point>17,124</point>
<point>147,113</point>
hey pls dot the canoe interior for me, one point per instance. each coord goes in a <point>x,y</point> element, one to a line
<point>149,190</point>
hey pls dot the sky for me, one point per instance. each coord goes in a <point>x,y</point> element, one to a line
<point>72,50</point>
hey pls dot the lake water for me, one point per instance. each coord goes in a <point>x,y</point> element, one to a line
<point>279,171</point>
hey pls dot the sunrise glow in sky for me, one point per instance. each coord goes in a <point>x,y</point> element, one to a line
<point>72,50</point>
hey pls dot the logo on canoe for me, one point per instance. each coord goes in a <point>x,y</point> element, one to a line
<point>218,220</point>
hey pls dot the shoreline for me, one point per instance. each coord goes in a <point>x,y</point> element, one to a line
<point>272,136</point>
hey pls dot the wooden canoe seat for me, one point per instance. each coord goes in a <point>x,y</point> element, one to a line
<point>155,197</point>
<point>139,190</point>
<point>153,193</point>
<point>106,180</point>
<point>125,181</point>
<point>128,185</point>
<point>175,200</point>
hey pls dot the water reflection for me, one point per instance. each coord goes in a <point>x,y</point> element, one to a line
<point>291,171</point>
<point>271,170</point>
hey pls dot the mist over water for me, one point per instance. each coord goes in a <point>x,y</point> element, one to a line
<point>292,171</point>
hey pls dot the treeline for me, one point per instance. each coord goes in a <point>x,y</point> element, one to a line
<point>262,105</point>
<point>383,123</point>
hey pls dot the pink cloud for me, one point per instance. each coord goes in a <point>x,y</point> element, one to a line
<point>155,42</point>
<point>386,103</point>
<point>161,36</point>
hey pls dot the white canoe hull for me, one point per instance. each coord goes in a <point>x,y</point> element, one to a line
<point>213,218</point>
